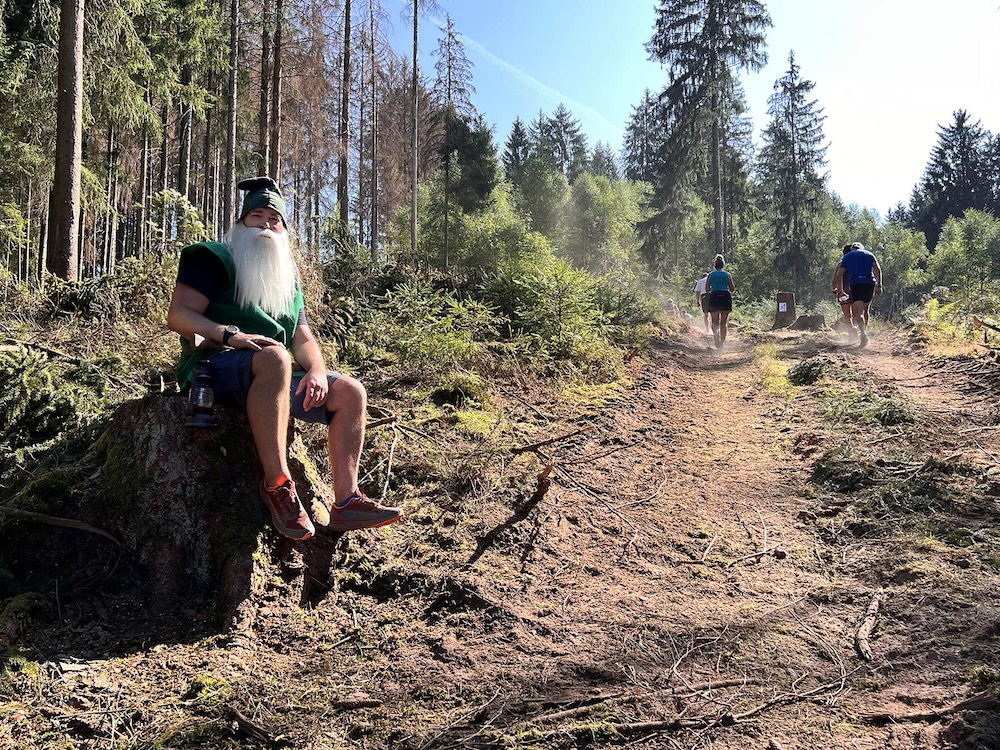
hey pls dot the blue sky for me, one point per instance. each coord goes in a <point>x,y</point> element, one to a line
<point>888,73</point>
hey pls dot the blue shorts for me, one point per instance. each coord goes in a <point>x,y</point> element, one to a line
<point>232,371</point>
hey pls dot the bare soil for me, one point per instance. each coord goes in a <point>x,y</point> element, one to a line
<point>695,576</point>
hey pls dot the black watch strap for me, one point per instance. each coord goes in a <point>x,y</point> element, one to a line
<point>228,334</point>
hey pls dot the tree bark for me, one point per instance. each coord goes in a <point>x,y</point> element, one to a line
<point>229,181</point>
<point>274,165</point>
<point>373,223</point>
<point>264,124</point>
<point>413,136</point>
<point>345,121</point>
<point>182,502</point>
<point>63,256</point>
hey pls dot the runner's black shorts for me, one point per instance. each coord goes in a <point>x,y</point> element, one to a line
<point>862,292</point>
<point>719,301</point>
<point>704,303</point>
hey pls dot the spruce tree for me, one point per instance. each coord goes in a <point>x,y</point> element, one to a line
<point>957,178</point>
<point>516,152</point>
<point>643,136</point>
<point>791,177</point>
<point>703,43</point>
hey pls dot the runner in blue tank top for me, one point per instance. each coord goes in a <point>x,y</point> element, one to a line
<point>720,300</point>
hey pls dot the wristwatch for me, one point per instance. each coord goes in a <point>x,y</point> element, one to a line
<point>228,334</point>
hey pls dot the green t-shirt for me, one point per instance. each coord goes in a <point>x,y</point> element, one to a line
<point>225,310</point>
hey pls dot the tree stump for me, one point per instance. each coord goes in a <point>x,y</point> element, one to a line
<point>184,504</point>
<point>784,314</point>
<point>809,323</point>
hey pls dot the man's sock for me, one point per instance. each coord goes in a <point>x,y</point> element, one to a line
<point>282,479</point>
<point>346,500</point>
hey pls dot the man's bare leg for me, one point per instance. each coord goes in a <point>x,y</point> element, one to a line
<point>859,313</point>
<point>348,402</point>
<point>267,410</point>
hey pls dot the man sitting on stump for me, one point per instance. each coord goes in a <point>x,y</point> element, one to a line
<point>244,299</point>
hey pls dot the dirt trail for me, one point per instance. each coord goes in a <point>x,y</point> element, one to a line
<point>645,577</point>
<point>689,580</point>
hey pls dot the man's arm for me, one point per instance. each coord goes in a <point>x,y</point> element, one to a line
<point>186,316</point>
<point>877,271</point>
<point>305,349</point>
<point>309,356</point>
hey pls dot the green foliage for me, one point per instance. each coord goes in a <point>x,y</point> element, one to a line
<point>41,400</point>
<point>544,190</point>
<point>551,304</point>
<point>967,260</point>
<point>808,371</point>
<point>869,407</point>
<point>135,290</point>
<point>189,227</point>
<point>426,331</point>
<point>600,221</point>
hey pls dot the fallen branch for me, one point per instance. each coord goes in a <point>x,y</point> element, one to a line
<point>862,639</point>
<point>69,523</point>
<point>255,731</point>
<point>776,552</point>
<point>709,547</point>
<point>535,446</point>
<point>380,422</point>
<point>979,702</point>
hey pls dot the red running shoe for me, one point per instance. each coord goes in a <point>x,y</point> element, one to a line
<point>287,513</point>
<point>361,512</point>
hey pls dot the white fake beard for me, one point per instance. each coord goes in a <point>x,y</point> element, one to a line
<point>265,269</point>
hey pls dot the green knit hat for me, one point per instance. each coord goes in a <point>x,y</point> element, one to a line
<point>262,192</point>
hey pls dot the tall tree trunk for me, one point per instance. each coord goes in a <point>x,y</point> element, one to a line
<point>43,238</point>
<point>229,182</point>
<point>317,189</point>
<point>373,224</point>
<point>264,124</point>
<point>447,171</point>
<point>139,249</point>
<point>64,217</point>
<point>109,200</point>
<point>413,137</point>
<point>27,236</point>
<point>274,164</point>
<point>716,177</point>
<point>164,165</point>
<point>206,156</point>
<point>345,121</point>
<point>185,121</point>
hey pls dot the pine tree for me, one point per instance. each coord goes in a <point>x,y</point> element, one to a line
<point>516,152</point>
<point>561,137</point>
<point>643,136</point>
<point>704,43</point>
<point>602,162</point>
<point>792,182</point>
<point>956,179</point>
<point>453,89</point>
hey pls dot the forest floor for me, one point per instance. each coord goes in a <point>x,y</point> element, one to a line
<point>696,576</point>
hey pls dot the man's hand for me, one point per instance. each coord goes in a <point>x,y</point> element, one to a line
<point>316,388</point>
<point>251,341</point>
<point>878,290</point>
